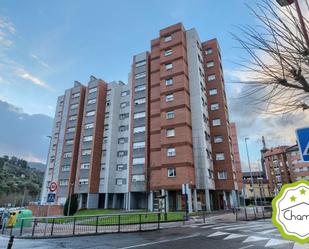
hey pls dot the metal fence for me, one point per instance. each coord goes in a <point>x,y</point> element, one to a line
<point>81,225</point>
<point>253,213</point>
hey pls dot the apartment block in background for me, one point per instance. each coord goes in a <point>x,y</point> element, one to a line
<point>277,168</point>
<point>64,143</point>
<point>298,168</point>
<point>224,168</point>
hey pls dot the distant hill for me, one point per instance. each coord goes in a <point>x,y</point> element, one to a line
<point>18,179</point>
<point>38,166</point>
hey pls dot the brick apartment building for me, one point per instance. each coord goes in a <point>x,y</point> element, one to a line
<point>122,145</point>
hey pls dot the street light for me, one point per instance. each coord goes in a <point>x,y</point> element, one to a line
<point>284,3</point>
<point>251,178</point>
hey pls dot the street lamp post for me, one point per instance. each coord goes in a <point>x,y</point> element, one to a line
<point>283,3</point>
<point>251,177</point>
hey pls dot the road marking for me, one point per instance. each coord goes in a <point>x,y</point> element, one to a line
<point>209,226</point>
<point>276,242</point>
<point>217,234</point>
<point>299,246</point>
<point>161,241</point>
<point>246,247</point>
<point>269,231</point>
<point>235,236</point>
<point>254,238</point>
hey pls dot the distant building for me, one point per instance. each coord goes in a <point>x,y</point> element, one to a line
<point>260,186</point>
<point>298,168</point>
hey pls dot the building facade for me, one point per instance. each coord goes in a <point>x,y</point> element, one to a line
<point>134,145</point>
<point>298,168</point>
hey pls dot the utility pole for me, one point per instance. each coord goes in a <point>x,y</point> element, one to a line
<point>70,197</point>
<point>284,3</point>
<point>251,177</point>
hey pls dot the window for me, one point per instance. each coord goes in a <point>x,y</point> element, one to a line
<point>169,82</point>
<point>171,152</point>
<point>103,153</point>
<point>121,167</point>
<point>105,140</point>
<point>83,181</point>
<point>139,129</point>
<point>167,38</point>
<point>123,116</point>
<point>92,90</point>
<point>140,101</point>
<point>211,77</point>
<point>213,91</point>
<point>124,104</point>
<point>89,125</point>
<point>170,115</point>
<point>65,168</point>
<point>170,132</point>
<point>140,63</point>
<point>138,145</point>
<point>210,64</point>
<point>171,172</point>
<point>140,88</point>
<point>56,135</point>
<point>122,153</point>
<point>123,128</point>
<point>139,115</point>
<point>102,181</point>
<point>88,138</point>
<point>57,124</point>
<point>216,122</point>
<point>73,106</point>
<point>214,106</point>
<point>73,117</point>
<point>85,166</point>
<point>86,152</point>
<point>75,95</point>
<point>71,129</point>
<point>108,92</point>
<point>138,178</point>
<point>124,93</point>
<point>208,51</point>
<point>120,181</point>
<point>92,101</point>
<point>106,127</point>
<point>168,66</point>
<point>169,97</point>
<point>90,113</point>
<point>222,175</point>
<point>218,139</point>
<point>52,159</point>
<point>138,160</point>
<point>67,155</point>
<point>140,75</point>
<point>168,52</point>
<point>64,182</point>
<point>122,140</point>
<point>220,156</point>
<point>69,141</point>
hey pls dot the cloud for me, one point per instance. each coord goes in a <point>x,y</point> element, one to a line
<point>24,135</point>
<point>22,73</point>
<point>7,29</point>
<point>40,61</point>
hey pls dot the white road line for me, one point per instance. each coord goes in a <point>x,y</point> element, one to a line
<point>254,238</point>
<point>235,236</point>
<point>246,247</point>
<point>276,242</point>
<point>210,226</point>
<point>161,241</point>
<point>217,234</point>
<point>269,231</point>
<point>300,246</point>
<point>242,227</point>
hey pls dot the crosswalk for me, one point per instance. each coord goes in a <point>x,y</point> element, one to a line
<point>248,234</point>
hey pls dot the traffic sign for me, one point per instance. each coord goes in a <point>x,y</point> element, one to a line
<point>302,135</point>
<point>51,197</point>
<point>52,187</point>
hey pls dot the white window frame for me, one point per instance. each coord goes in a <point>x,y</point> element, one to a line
<point>139,129</point>
<point>86,152</point>
<point>85,166</point>
<point>167,38</point>
<point>88,138</point>
<point>169,82</point>
<point>71,129</point>
<point>168,66</point>
<point>140,101</point>
<point>140,63</point>
<point>213,91</point>
<point>171,152</point>
<point>169,97</point>
<point>92,90</point>
<point>67,155</point>
<point>138,160</point>
<point>170,115</point>
<point>171,172</point>
<point>69,141</point>
<point>214,106</point>
<point>216,122</point>
<point>138,115</point>
<point>140,75</point>
<point>222,175</point>
<point>90,113</point>
<point>83,181</point>
<point>89,125</point>
<point>91,101</point>
<point>211,77</point>
<point>170,132</point>
<point>75,95</point>
<point>220,156</point>
<point>218,139</point>
<point>139,145</point>
<point>140,88</point>
<point>210,64</point>
<point>168,52</point>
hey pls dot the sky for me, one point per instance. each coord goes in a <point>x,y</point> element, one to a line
<point>46,45</point>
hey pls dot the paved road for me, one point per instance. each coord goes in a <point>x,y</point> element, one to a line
<point>219,235</point>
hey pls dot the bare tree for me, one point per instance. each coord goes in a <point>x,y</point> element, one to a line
<point>278,64</point>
